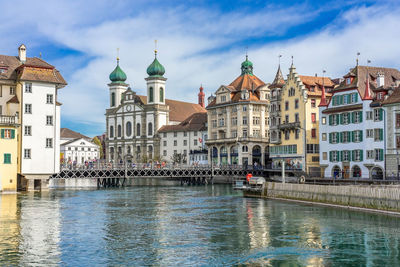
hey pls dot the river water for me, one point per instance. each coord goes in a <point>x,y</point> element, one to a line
<point>187,226</point>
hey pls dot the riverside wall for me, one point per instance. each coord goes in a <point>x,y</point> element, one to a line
<point>385,198</point>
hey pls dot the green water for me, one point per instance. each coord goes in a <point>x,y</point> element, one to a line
<point>187,226</point>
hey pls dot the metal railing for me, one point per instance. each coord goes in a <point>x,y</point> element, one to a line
<point>8,120</point>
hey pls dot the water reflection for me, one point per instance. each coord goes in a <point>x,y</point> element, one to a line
<point>187,226</point>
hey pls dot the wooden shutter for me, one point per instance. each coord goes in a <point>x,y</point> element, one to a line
<point>361,135</point>
<point>330,156</point>
<point>353,117</point>
<point>381,154</point>
<point>353,155</point>
<point>341,118</point>
<point>12,134</point>
<point>380,134</point>
<point>361,154</point>
<point>337,119</point>
<point>355,97</point>
<point>380,114</point>
<point>2,133</point>
<point>330,138</point>
<point>330,120</point>
<point>361,116</point>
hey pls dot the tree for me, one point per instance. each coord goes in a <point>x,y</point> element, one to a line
<point>179,158</point>
<point>97,142</point>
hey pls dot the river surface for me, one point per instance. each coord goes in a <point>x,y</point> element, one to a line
<point>187,226</point>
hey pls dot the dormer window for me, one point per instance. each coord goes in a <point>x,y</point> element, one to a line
<point>312,88</point>
<point>245,94</point>
<point>223,98</point>
<point>348,80</point>
<point>3,70</point>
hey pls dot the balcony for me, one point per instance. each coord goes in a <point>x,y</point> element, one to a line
<point>289,126</point>
<point>8,120</point>
<point>275,141</point>
<point>221,140</point>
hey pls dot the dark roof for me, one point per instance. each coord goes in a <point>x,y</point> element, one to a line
<point>195,122</point>
<point>68,133</point>
<point>34,69</point>
<point>279,81</point>
<point>360,76</point>
<point>14,100</point>
<point>178,110</point>
<point>393,98</point>
<point>342,109</point>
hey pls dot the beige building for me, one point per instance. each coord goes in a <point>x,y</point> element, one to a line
<point>237,119</point>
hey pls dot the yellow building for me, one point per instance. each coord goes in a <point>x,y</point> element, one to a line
<point>295,140</point>
<point>8,153</point>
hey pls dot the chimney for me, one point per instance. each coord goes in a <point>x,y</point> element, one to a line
<point>201,97</point>
<point>22,53</point>
<point>380,80</point>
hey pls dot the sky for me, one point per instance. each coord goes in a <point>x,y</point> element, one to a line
<point>198,43</point>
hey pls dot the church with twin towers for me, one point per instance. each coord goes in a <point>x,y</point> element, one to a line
<point>133,121</point>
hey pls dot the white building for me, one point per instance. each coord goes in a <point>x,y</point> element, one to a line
<point>187,138</point>
<point>133,121</point>
<point>29,88</point>
<point>351,126</point>
<point>79,151</point>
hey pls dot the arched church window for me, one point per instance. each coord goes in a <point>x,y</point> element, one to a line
<point>112,99</point>
<point>161,94</point>
<point>128,128</point>
<point>119,130</point>
<point>150,128</point>
<point>151,95</point>
<point>138,129</point>
<point>111,131</point>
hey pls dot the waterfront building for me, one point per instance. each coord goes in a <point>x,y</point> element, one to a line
<point>79,151</point>
<point>28,90</point>
<point>8,153</point>
<point>237,119</point>
<point>294,120</point>
<point>186,139</point>
<point>391,106</point>
<point>352,124</point>
<point>133,121</point>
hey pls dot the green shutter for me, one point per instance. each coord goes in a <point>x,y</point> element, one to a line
<point>353,155</point>
<point>355,97</point>
<point>352,136</point>
<point>361,154</point>
<point>361,116</point>
<point>361,135</point>
<point>2,133</point>
<point>341,99</point>
<point>330,120</point>
<point>340,140</point>
<point>341,156</point>
<point>380,134</point>
<point>380,114</point>
<point>12,134</point>
<point>381,154</point>
<point>353,117</point>
<point>337,119</point>
<point>330,138</point>
<point>348,98</point>
<point>341,118</point>
<point>7,158</point>
<point>330,156</point>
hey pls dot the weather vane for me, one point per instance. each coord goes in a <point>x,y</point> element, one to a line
<point>118,54</point>
<point>358,54</point>
<point>155,47</point>
<point>279,59</point>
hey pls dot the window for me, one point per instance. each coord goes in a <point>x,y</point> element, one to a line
<point>378,154</point>
<point>119,130</point>
<point>313,117</point>
<point>185,142</point>
<point>334,156</point>
<point>111,131</point>
<point>378,114</point>
<point>324,155</point>
<point>398,141</point>
<point>128,128</point>
<point>164,134</point>
<point>164,143</point>
<point>345,136</point>
<point>357,155</point>
<point>175,152</point>
<point>296,103</point>
<point>12,90</point>
<point>49,142</point>
<point>223,98</point>
<point>244,120</point>
<point>175,142</point>
<point>370,133</point>
<point>151,95</point>
<point>7,158</point>
<point>49,99</point>
<point>286,105</point>
<point>370,154</point>
<point>244,133</point>
<point>175,134</point>
<point>314,133</point>
<point>324,137</point>
<point>161,94</point>
<point>369,115</point>
<point>195,142</point>
<point>345,118</point>
<point>348,80</point>
<point>357,116</point>
<point>333,138</point>
<point>164,153</point>
<point>297,133</point>
<point>256,120</point>
<point>28,87</point>
<point>244,108</point>
<point>185,134</point>
<point>345,155</point>
<point>287,135</point>
<point>7,133</point>
<point>357,136</point>
<point>234,121</point>
<point>354,98</point>
<point>286,118</point>
<point>214,123</point>
<point>323,120</point>
<point>245,149</point>
<point>397,120</point>
<point>221,122</point>
<point>138,129</point>
<point>28,108</point>
<point>312,148</point>
<point>313,105</point>
<point>256,133</point>
<point>150,128</point>
<point>28,130</point>
<point>334,119</point>
<point>49,120</point>
<point>296,117</point>
<point>112,99</point>
<point>27,153</point>
<point>195,133</point>
<point>378,134</point>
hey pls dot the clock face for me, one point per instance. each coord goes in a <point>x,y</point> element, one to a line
<point>129,108</point>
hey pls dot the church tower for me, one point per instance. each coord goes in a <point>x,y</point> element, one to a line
<point>117,86</point>
<point>201,97</point>
<point>155,82</point>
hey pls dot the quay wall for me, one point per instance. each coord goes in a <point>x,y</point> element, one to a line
<point>385,198</point>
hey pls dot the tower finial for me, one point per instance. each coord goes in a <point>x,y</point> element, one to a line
<point>292,60</point>
<point>117,55</point>
<point>358,54</point>
<point>155,48</point>
<point>247,50</point>
<point>279,60</point>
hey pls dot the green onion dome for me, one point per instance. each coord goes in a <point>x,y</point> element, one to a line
<point>155,68</point>
<point>118,75</point>
<point>247,67</point>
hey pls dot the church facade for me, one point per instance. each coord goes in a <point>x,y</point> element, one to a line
<point>133,120</point>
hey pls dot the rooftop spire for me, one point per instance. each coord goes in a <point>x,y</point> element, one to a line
<point>323,102</point>
<point>367,94</point>
<point>358,54</point>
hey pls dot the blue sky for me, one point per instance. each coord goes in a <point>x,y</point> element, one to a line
<point>199,42</point>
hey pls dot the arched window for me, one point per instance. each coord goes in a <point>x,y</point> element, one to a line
<point>245,149</point>
<point>161,94</point>
<point>138,129</point>
<point>150,149</point>
<point>111,131</point>
<point>128,128</point>
<point>128,149</point>
<point>150,128</point>
<point>111,153</point>
<point>151,95</point>
<point>112,99</point>
<point>119,130</point>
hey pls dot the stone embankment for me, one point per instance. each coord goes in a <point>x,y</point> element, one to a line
<point>383,198</point>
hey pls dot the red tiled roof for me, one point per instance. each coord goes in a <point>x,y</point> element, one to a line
<point>394,98</point>
<point>195,122</point>
<point>246,81</point>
